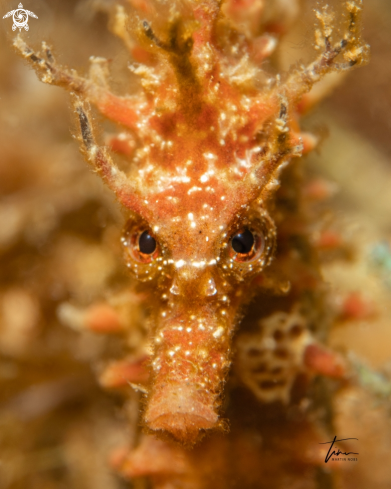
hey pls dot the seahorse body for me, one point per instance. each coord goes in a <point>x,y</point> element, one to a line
<point>207,229</point>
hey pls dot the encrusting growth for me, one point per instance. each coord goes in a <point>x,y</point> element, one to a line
<point>213,133</point>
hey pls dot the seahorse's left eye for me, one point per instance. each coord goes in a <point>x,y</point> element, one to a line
<point>243,242</point>
<point>250,246</point>
<point>247,245</point>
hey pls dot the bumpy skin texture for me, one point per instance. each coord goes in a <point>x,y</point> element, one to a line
<point>207,141</point>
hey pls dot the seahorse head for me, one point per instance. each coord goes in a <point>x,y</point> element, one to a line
<point>200,242</point>
<point>215,131</point>
<point>201,235</point>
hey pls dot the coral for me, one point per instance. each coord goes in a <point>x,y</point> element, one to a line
<point>225,276</point>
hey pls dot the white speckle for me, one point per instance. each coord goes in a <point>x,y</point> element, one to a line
<point>218,332</point>
<point>194,189</point>
<point>171,353</point>
<point>180,263</point>
<point>188,330</point>
<point>174,289</point>
<point>209,156</point>
<point>190,215</point>
<point>187,353</point>
<point>212,262</point>
<point>211,289</point>
<point>198,264</point>
<point>222,197</point>
<point>193,224</point>
<point>207,238</point>
<point>180,328</point>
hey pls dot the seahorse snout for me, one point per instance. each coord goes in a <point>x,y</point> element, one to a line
<point>182,409</point>
<point>191,358</point>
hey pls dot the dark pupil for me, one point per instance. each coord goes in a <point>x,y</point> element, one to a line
<point>243,242</point>
<point>146,243</point>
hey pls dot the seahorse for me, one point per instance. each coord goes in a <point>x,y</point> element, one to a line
<point>214,219</point>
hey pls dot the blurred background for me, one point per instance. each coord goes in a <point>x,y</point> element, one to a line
<point>59,242</point>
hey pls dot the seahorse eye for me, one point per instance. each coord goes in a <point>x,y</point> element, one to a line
<point>146,243</point>
<point>243,242</point>
<point>140,245</point>
<point>247,245</point>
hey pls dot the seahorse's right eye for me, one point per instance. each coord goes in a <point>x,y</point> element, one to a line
<point>146,243</point>
<point>140,244</point>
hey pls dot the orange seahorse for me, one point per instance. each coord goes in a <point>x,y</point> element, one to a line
<point>207,231</point>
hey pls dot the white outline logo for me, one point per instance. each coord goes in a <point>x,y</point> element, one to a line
<point>20,17</point>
